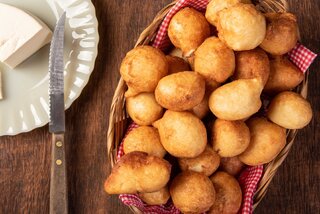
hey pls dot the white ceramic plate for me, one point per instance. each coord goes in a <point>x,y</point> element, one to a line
<point>25,103</point>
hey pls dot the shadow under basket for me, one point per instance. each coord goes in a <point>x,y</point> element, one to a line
<point>119,120</point>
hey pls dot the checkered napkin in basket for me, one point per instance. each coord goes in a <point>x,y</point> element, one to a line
<point>250,176</point>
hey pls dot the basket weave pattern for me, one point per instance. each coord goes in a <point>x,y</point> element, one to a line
<point>119,119</point>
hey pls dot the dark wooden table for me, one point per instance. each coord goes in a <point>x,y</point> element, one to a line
<point>25,158</point>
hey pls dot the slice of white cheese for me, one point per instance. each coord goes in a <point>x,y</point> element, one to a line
<point>21,35</point>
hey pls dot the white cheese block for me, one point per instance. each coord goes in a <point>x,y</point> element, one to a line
<point>21,35</point>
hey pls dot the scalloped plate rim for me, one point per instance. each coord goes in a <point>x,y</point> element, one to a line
<point>68,101</point>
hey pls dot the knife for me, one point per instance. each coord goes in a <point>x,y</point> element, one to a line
<point>58,182</point>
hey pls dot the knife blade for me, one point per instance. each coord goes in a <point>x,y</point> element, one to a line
<point>56,78</point>
<point>58,180</point>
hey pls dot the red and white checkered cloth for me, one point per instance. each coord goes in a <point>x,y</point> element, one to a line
<point>250,176</point>
<point>302,57</point>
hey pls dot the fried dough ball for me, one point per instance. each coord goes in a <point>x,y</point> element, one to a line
<point>182,134</point>
<point>284,76</point>
<point>232,166</point>
<point>144,139</point>
<point>236,100</point>
<point>207,162</point>
<point>215,6</point>
<point>211,86</point>
<point>214,60</point>
<point>187,29</point>
<point>191,61</point>
<point>177,64</point>
<point>192,192</point>
<point>252,64</point>
<point>290,110</point>
<point>143,108</point>
<point>178,53</point>
<point>267,141</point>
<point>242,27</point>
<point>282,33</point>
<point>230,138</point>
<point>180,91</point>
<point>138,172</point>
<point>228,194</point>
<point>142,68</point>
<point>202,109</point>
<point>156,198</point>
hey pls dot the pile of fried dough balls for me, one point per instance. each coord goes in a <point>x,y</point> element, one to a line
<point>202,106</point>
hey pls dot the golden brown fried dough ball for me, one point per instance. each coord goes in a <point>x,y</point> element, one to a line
<point>267,140</point>
<point>143,108</point>
<point>180,91</point>
<point>232,166</point>
<point>202,109</point>
<point>188,29</point>
<point>178,53</point>
<point>228,194</point>
<point>156,198</point>
<point>192,192</point>
<point>214,60</point>
<point>182,134</point>
<point>177,64</point>
<point>242,27</point>
<point>144,139</point>
<point>138,172</point>
<point>190,60</point>
<point>282,33</point>
<point>207,162</point>
<point>284,76</point>
<point>142,68</point>
<point>229,138</point>
<point>211,86</point>
<point>252,64</point>
<point>215,6</point>
<point>236,100</point>
<point>290,110</point>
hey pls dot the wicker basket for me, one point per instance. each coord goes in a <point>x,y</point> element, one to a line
<point>118,121</point>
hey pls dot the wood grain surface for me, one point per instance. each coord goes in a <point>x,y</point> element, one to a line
<point>25,158</point>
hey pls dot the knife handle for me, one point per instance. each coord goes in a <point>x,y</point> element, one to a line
<point>58,182</point>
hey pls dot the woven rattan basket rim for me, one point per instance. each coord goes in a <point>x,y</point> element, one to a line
<point>118,118</point>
